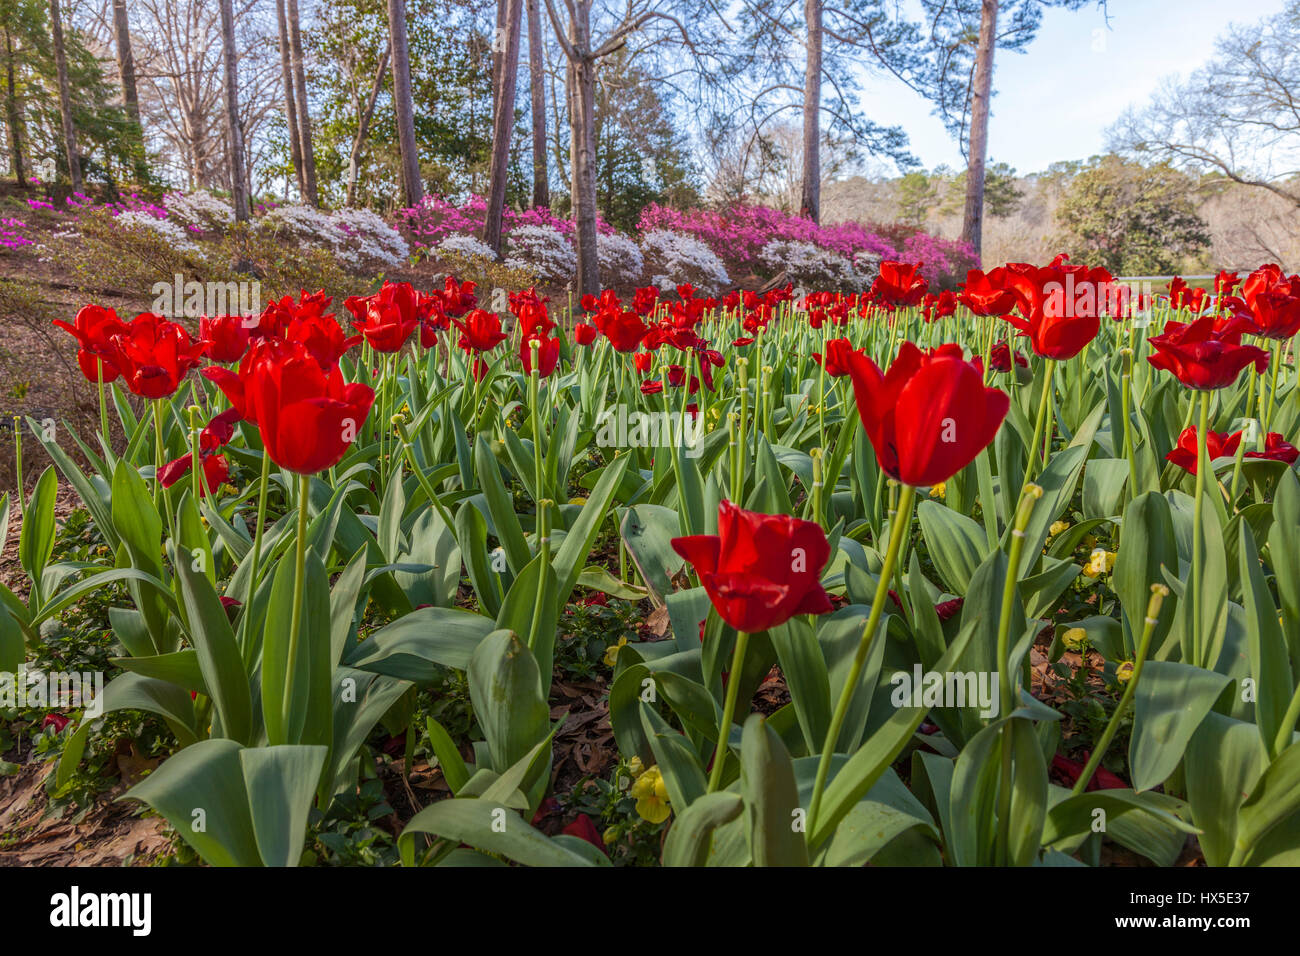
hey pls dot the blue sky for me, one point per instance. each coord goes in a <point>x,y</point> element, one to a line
<point>1055,100</point>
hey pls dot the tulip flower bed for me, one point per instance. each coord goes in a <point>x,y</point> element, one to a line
<point>1003,576</point>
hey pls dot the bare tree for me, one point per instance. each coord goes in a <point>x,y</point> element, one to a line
<point>1237,118</point>
<point>238,179</point>
<point>13,114</point>
<point>656,25</point>
<point>537,91</point>
<point>178,47</point>
<point>972,228</point>
<point>811,198</point>
<point>304,111</point>
<point>503,119</point>
<point>65,95</point>
<point>364,115</point>
<point>290,98</point>
<point>412,185</point>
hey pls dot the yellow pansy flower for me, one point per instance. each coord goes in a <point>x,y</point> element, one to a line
<point>1074,639</point>
<point>1124,673</point>
<point>1100,563</point>
<point>611,652</point>
<point>940,490</point>
<point>635,767</point>
<point>1057,527</point>
<point>651,794</point>
<point>577,501</point>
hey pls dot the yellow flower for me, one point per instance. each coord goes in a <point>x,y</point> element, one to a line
<point>651,794</point>
<point>1074,639</point>
<point>1101,562</point>
<point>611,652</point>
<point>577,501</point>
<point>609,836</point>
<point>635,767</point>
<point>1057,527</point>
<point>940,490</point>
<point>1124,672</point>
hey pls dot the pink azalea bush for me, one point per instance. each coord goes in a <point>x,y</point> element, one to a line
<point>739,233</point>
<point>435,218</point>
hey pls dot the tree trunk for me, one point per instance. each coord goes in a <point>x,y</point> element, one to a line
<point>580,94</point>
<point>290,106</point>
<point>13,117</point>
<point>65,96</point>
<point>234,135</point>
<point>304,112</point>
<point>810,201</point>
<point>363,130</point>
<point>537,90</point>
<point>412,186</point>
<point>126,74</point>
<point>972,229</point>
<point>503,122</point>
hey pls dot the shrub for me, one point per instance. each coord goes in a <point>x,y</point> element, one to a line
<point>811,265</point>
<point>674,257</point>
<point>543,251</point>
<point>200,209</point>
<point>621,261</point>
<point>356,236</point>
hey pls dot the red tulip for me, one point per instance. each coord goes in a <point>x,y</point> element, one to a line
<point>984,293</point>
<point>388,317</point>
<point>1203,358</point>
<point>584,333</point>
<point>226,336</point>
<point>1276,449</point>
<point>1000,358</point>
<point>307,417</point>
<point>548,354</point>
<point>94,328</point>
<point>154,355</point>
<point>322,336</point>
<point>759,570</point>
<point>1058,306</point>
<point>480,331</point>
<point>1186,455</point>
<point>1276,314</point>
<point>625,330</point>
<point>642,361</point>
<point>929,415</point>
<point>836,361</point>
<point>216,469</point>
<point>584,829</point>
<point>899,284</point>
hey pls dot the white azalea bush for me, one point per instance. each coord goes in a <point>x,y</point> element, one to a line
<point>809,264</point>
<point>174,233</point>
<point>621,261</point>
<point>672,258</point>
<point>356,236</point>
<point>200,209</point>
<point>543,251</point>
<point>463,245</point>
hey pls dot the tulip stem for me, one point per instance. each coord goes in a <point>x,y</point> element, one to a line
<point>295,628</point>
<point>728,710</point>
<point>896,533</point>
<point>1198,535</point>
<point>1049,368</point>
<point>1241,445</point>
<point>103,408</point>
<point>1006,678</point>
<point>1158,594</point>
